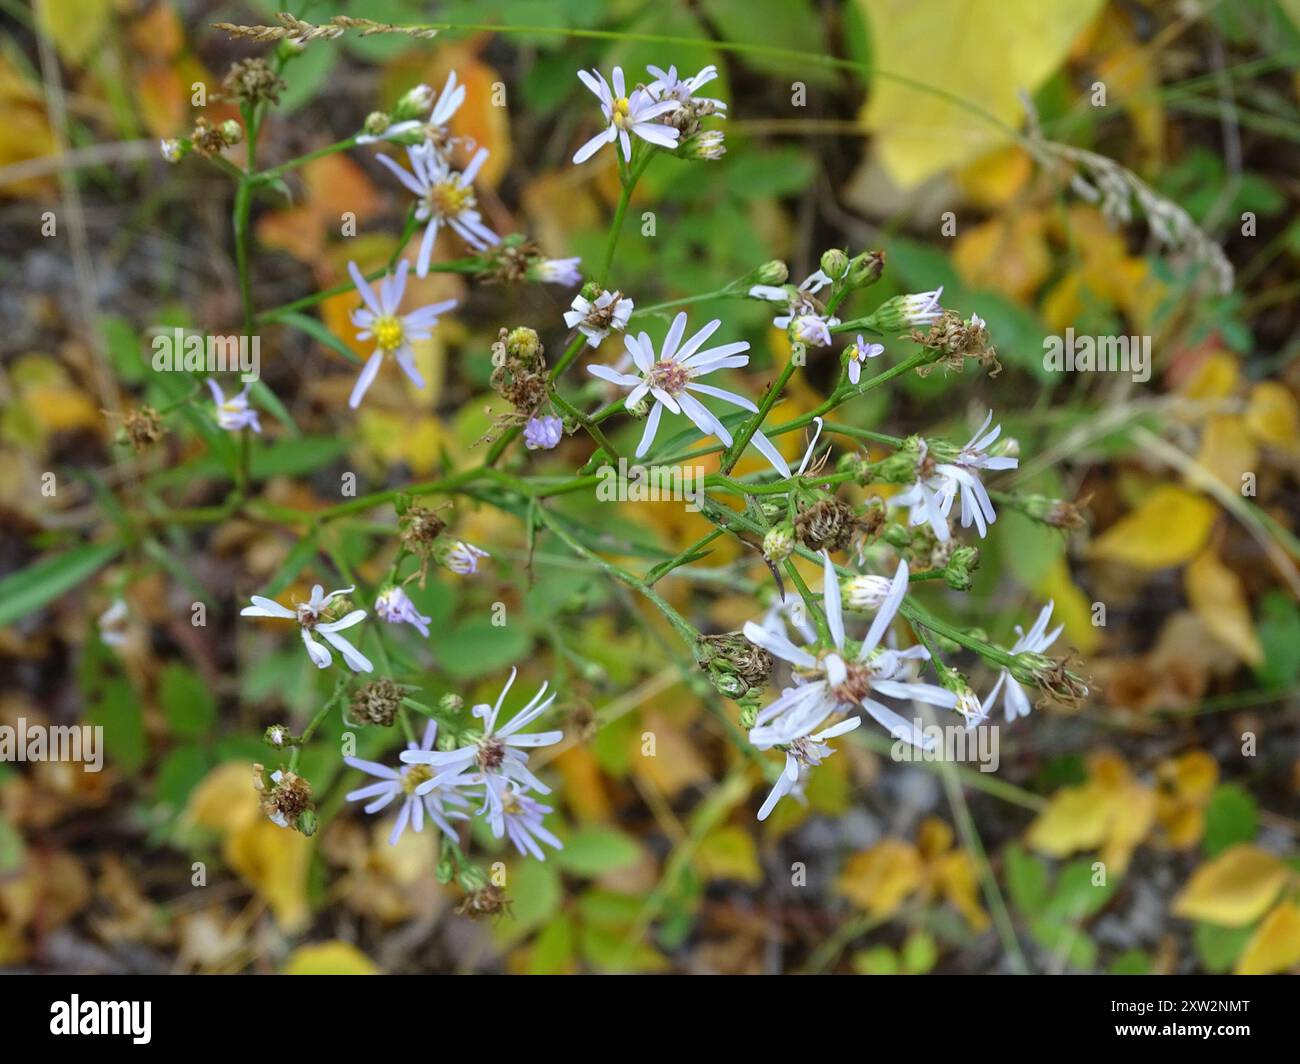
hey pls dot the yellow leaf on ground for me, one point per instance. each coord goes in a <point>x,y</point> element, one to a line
<point>1218,598</point>
<point>329,958</point>
<point>1007,254</point>
<point>1214,376</point>
<point>1275,946</point>
<point>729,853</point>
<point>1234,889</point>
<point>983,54</point>
<point>998,177</point>
<point>1169,527</point>
<point>878,880</point>
<point>1227,450</point>
<point>75,26</point>
<point>1272,417</point>
<point>1073,608</point>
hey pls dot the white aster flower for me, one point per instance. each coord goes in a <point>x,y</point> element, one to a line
<point>858,354</point>
<point>1035,641</point>
<point>392,332</point>
<point>308,614</point>
<point>595,318</point>
<point>668,86</point>
<point>500,752</point>
<point>811,324</point>
<point>831,680</point>
<point>626,114</point>
<point>396,607</point>
<point>403,783</point>
<point>922,308</point>
<point>234,413</point>
<point>463,558</point>
<point>557,271</point>
<point>802,755</point>
<point>172,149</point>
<point>517,815</point>
<point>445,198</point>
<point>670,379</point>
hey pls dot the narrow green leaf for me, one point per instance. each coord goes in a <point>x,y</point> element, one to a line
<point>29,589</point>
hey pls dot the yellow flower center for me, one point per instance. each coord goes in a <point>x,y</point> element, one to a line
<point>414,776</point>
<point>388,332</point>
<point>450,198</point>
<point>621,110</point>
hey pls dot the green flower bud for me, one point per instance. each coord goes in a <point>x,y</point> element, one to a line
<point>778,544</point>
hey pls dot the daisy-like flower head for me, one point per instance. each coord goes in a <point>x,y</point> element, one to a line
<point>1035,641</point>
<point>404,783</point>
<point>517,815</point>
<point>831,680</point>
<point>445,198</point>
<point>396,607</point>
<point>812,330</point>
<point>626,115</point>
<point>172,149</point>
<point>922,308</point>
<point>596,318</point>
<point>668,86</point>
<point>463,558</point>
<point>234,413</point>
<point>670,378</point>
<point>543,433</point>
<point>801,756</point>
<point>499,751</point>
<point>805,319</point>
<point>410,127</point>
<point>392,332</point>
<point>557,271</point>
<point>308,615</point>
<point>858,354</point>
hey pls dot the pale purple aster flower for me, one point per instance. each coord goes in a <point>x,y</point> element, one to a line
<point>802,755</point>
<point>307,614</point>
<point>403,783</point>
<point>932,499</point>
<point>626,114</point>
<point>393,333</point>
<point>234,413</point>
<point>445,197</point>
<point>922,308</point>
<point>668,86</point>
<point>594,318</point>
<point>859,353</point>
<point>543,433</point>
<point>557,271</point>
<point>396,607</point>
<point>828,680</point>
<point>418,100</point>
<point>497,752</point>
<point>463,558</point>
<point>813,330</point>
<point>1035,641</point>
<point>518,816</point>
<point>670,378</point>
<point>805,318</point>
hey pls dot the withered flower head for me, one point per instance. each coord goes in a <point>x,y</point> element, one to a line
<point>143,427</point>
<point>376,702</point>
<point>828,524</point>
<point>252,81</point>
<point>487,900</point>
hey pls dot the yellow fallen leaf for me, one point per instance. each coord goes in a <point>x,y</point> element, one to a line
<point>984,54</point>
<point>1169,527</point>
<point>1227,450</point>
<point>75,26</point>
<point>878,880</point>
<point>329,958</point>
<point>1073,608</point>
<point>1272,417</point>
<point>1215,376</point>
<point>998,177</point>
<point>1275,946</point>
<point>1216,594</point>
<point>1007,254</point>
<point>729,853</point>
<point>1234,889</point>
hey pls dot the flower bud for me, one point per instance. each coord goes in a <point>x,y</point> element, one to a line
<point>865,269</point>
<point>705,146</point>
<point>451,703</point>
<point>834,263</point>
<point>231,131</point>
<point>961,563</point>
<point>774,272</point>
<point>523,343</point>
<point>376,122</point>
<point>414,103</point>
<point>778,544</point>
<point>864,592</point>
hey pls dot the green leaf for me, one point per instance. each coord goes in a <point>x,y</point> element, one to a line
<point>535,896</point>
<point>303,552</point>
<point>596,850</point>
<point>1218,947</point>
<point>877,960</point>
<point>1230,817</point>
<point>479,648</point>
<point>1279,634</point>
<point>1026,878</point>
<point>180,772</point>
<point>114,707</point>
<point>1075,896</point>
<point>1131,962</point>
<point>29,589</point>
<point>919,953</point>
<point>187,702</point>
<point>12,850</point>
<point>553,950</point>
<point>317,331</point>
